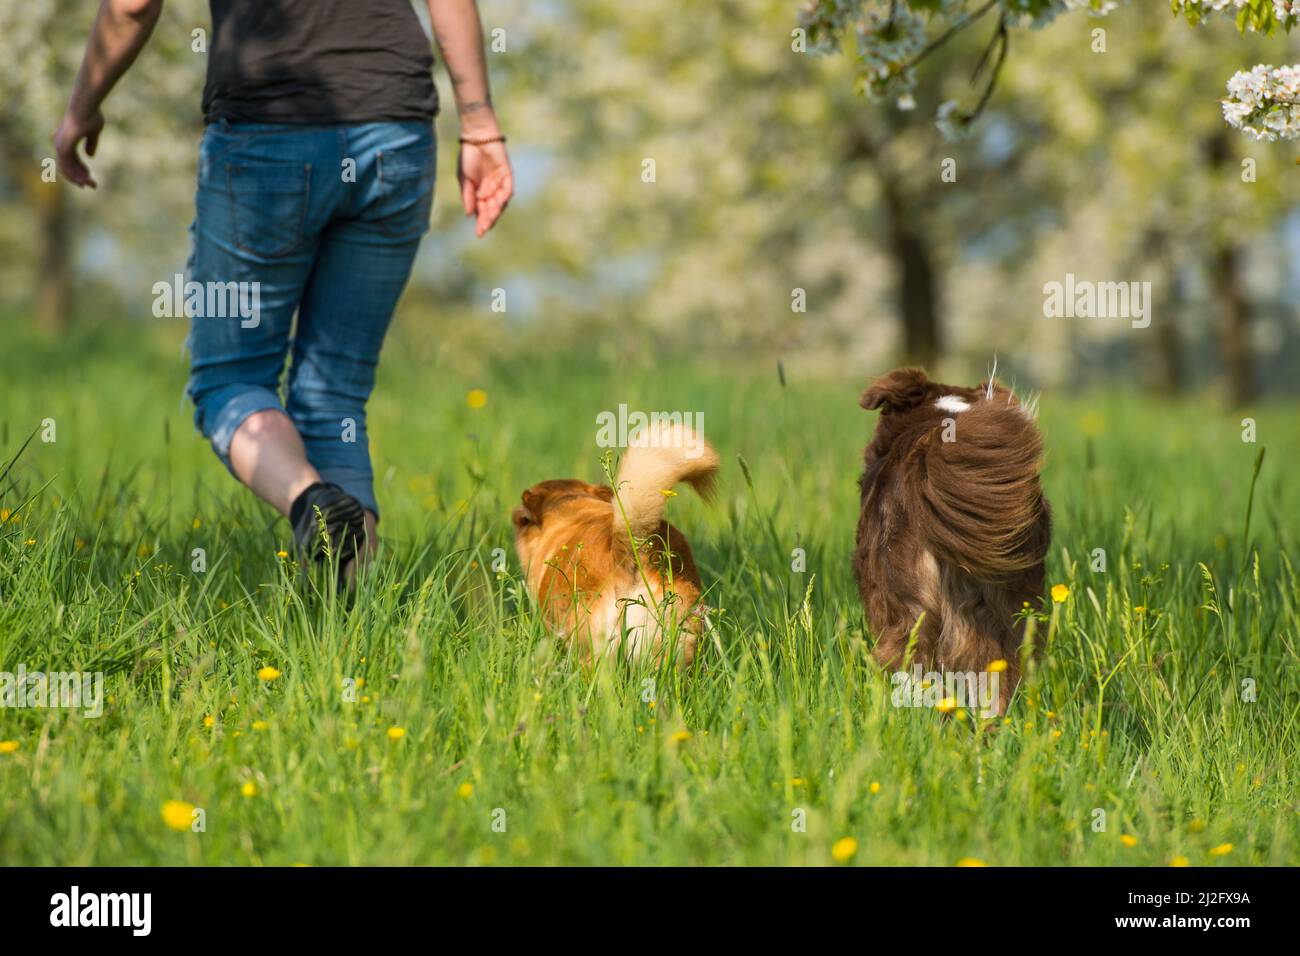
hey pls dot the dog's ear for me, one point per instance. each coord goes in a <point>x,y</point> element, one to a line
<point>604,492</point>
<point>898,391</point>
<point>530,510</point>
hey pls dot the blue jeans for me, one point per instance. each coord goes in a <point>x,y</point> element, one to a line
<point>321,220</point>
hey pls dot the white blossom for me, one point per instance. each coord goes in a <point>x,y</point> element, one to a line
<point>1264,102</point>
<point>953,122</point>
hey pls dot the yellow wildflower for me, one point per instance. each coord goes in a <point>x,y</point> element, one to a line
<point>844,849</point>
<point>178,815</point>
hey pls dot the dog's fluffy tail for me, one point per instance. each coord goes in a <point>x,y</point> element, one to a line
<point>659,458</point>
<point>978,496</point>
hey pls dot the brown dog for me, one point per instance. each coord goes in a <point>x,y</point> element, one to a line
<point>954,524</point>
<point>607,570</point>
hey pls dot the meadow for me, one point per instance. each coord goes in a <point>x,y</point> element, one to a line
<point>432,720</point>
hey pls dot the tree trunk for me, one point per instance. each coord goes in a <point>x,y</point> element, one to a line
<point>1170,371</point>
<point>1232,307</point>
<point>918,299</point>
<point>52,239</point>
<point>1172,376</point>
<point>54,291</point>
<point>1233,316</point>
<point>913,255</point>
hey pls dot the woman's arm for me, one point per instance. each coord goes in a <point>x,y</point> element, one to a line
<point>122,27</point>
<point>486,182</point>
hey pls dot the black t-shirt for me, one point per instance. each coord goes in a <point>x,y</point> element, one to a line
<point>318,62</point>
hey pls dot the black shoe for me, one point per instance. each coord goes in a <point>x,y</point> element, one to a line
<point>344,519</point>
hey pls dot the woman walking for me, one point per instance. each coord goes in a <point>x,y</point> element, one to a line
<point>315,182</point>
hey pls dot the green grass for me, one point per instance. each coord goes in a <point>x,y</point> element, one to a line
<point>786,713</point>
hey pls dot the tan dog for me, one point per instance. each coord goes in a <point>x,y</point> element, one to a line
<point>575,543</point>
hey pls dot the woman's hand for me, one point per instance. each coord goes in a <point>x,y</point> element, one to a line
<point>121,30</point>
<point>486,183</point>
<point>72,130</point>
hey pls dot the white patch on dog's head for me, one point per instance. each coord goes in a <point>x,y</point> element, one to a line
<point>952,403</point>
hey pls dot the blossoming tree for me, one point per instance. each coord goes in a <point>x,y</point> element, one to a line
<point>894,38</point>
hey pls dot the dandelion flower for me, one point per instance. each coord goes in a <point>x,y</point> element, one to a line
<point>260,725</point>
<point>668,493</point>
<point>997,667</point>
<point>209,720</point>
<point>1196,826</point>
<point>178,815</point>
<point>396,733</point>
<point>282,553</point>
<point>476,398</point>
<point>1180,861</point>
<point>875,787</point>
<point>465,790</point>
<point>844,849</point>
<point>1223,849</point>
<point>1128,840</point>
<point>947,705</point>
<point>681,736</point>
<point>971,861</point>
<point>197,523</point>
<point>268,674</point>
<point>9,746</point>
<point>1060,593</point>
<point>249,789</point>
<point>1092,424</point>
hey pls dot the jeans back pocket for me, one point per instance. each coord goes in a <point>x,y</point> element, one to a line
<point>406,178</point>
<point>268,205</point>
